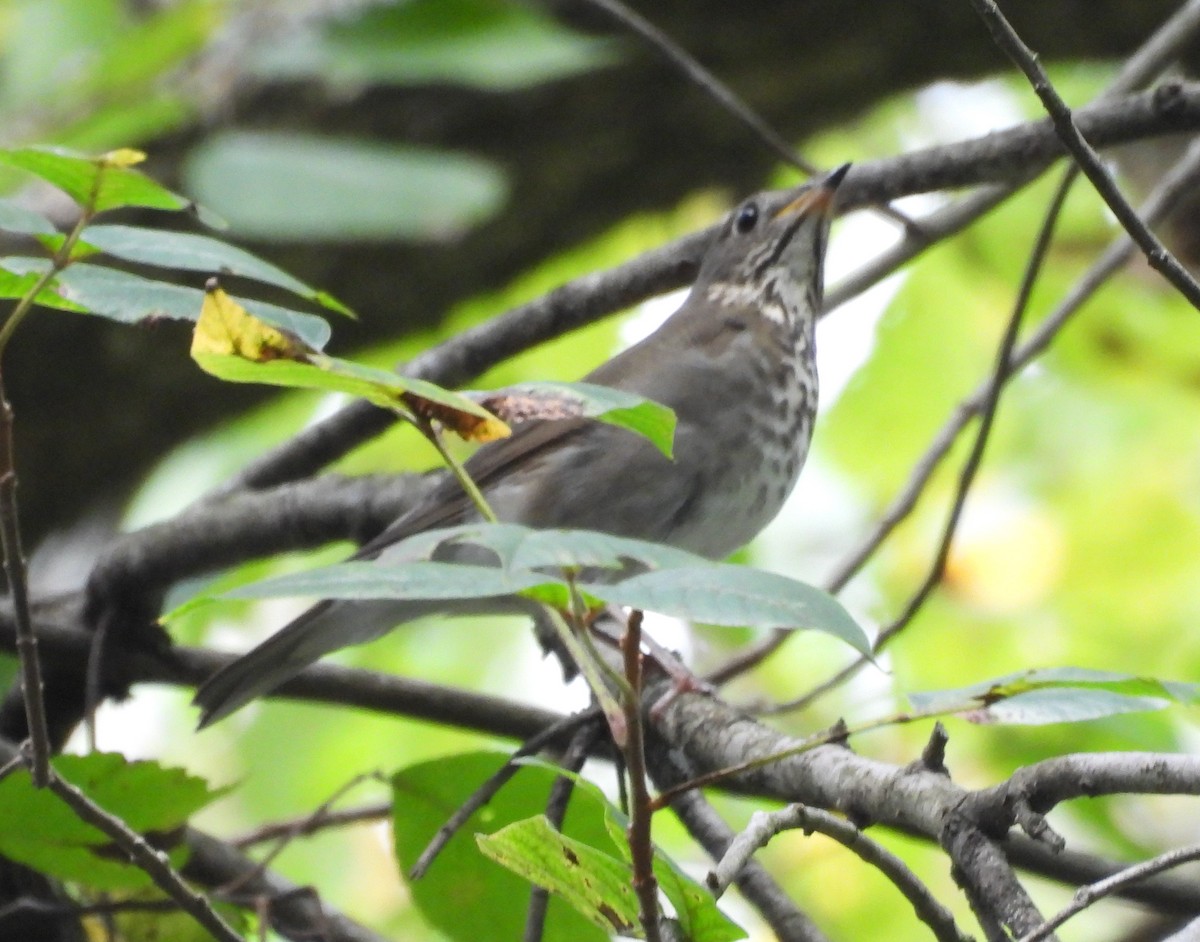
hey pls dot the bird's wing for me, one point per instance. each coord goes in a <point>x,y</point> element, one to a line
<point>331,625</point>
<point>447,504</point>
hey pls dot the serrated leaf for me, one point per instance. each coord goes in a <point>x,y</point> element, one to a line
<point>191,252</point>
<point>98,183</point>
<point>547,400</point>
<point>16,218</point>
<point>465,895</point>
<point>415,580</point>
<point>724,594</point>
<point>37,829</point>
<point>597,885</point>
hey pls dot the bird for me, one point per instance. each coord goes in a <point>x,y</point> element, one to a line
<point>736,362</point>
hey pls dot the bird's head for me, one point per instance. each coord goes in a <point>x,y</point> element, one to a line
<point>758,257</point>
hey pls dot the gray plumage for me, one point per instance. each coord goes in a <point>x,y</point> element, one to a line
<point>735,363</point>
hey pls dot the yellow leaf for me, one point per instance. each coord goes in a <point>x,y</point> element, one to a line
<point>226,329</point>
<point>466,425</point>
<point>122,157</point>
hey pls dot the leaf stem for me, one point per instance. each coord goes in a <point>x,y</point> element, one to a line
<point>456,467</point>
<point>59,261</point>
<point>596,672</point>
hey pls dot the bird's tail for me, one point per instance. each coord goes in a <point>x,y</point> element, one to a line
<point>322,629</point>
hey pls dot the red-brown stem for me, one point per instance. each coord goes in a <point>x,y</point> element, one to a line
<point>645,885</point>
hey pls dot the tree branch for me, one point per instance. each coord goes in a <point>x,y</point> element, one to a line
<point>1004,156</point>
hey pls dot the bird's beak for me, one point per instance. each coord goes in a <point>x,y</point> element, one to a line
<point>817,199</point>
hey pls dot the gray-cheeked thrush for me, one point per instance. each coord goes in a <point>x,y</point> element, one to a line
<point>736,363</point>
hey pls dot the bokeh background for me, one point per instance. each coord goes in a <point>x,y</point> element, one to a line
<point>434,162</point>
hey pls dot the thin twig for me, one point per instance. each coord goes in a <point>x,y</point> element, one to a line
<point>10,528</point>
<point>641,848</point>
<point>686,63</point>
<point>695,72</point>
<point>556,811</point>
<point>483,794</point>
<point>63,910</point>
<point>18,588</point>
<point>293,912</point>
<point>307,825</point>
<point>1085,896</point>
<point>925,233</point>
<point>1158,52</point>
<point>758,887</point>
<point>1158,255</point>
<point>765,825</point>
<point>150,861</point>
<point>1163,47</point>
<point>1017,153</point>
<point>1166,198</point>
<point>1000,372</point>
<point>311,824</point>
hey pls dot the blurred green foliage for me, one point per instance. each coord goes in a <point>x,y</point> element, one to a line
<point>1080,545</point>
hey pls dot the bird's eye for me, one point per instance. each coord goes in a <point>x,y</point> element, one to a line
<point>746,218</point>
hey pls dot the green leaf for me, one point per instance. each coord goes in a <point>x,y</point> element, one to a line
<point>597,885</point>
<point>724,594</point>
<point>171,925</point>
<point>145,47</point>
<point>486,43</point>
<point>586,549</point>
<point>695,908</point>
<point>16,218</point>
<point>293,187</point>
<point>106,181</point>
<point>550,400</point>
<point>1057,695</point>
<point>465,895</point>
<point>530,562</point>
<point>381,387</point>
<point>15,284</point>
<point>38,830</point>
<point>1064,705</point>
<point>414,580</point>
<point>190,252</point>
<point>130,299</point>
<point>518,547</point>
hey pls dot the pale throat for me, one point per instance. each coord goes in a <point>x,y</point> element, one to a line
<point>779,297</point>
